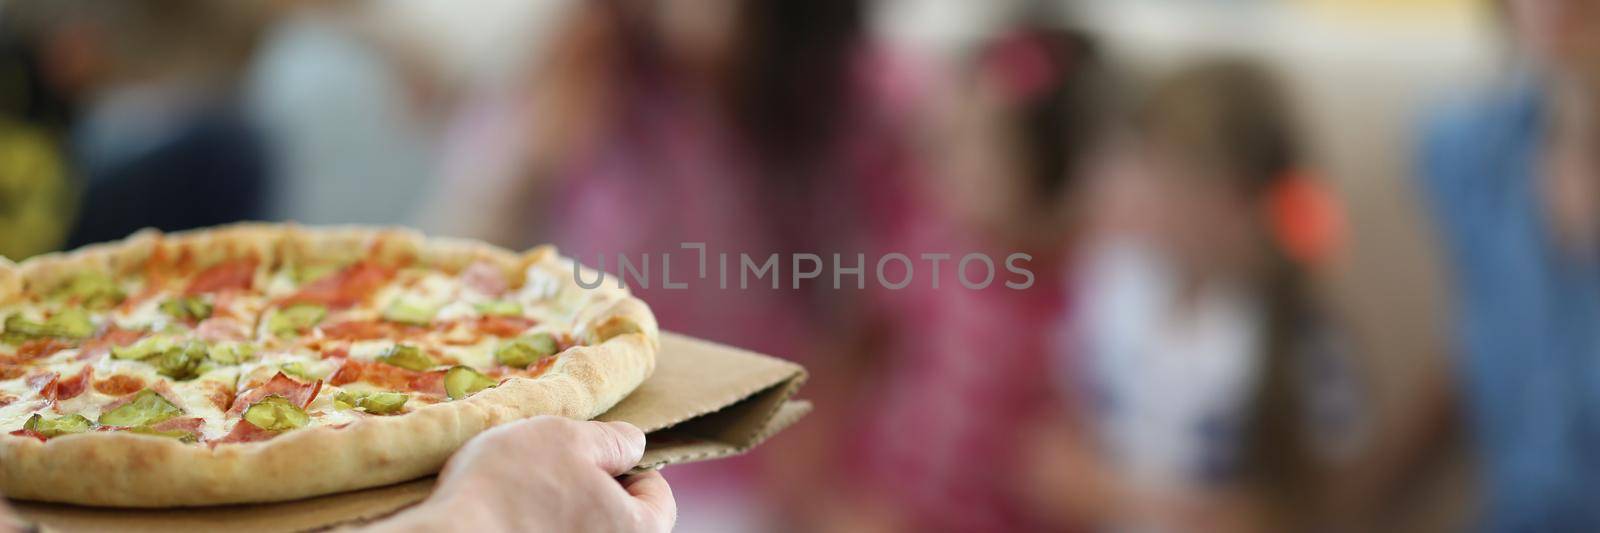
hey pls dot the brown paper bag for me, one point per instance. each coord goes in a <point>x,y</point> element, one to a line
<point>704,401</point>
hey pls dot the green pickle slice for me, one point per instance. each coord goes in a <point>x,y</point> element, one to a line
<point>92,289</point>
<point>295,319</point>
<point>408,357</point>
<point>461,382</point>
<point>525,351</point>
<point>143,349</point>
<point>275,413</point>
<point>70,324</point>
<point>230,354</point>
<point>298,369</point>
<point>500,308</point>
<point>146,408</point>
<point>181,435</point>
<point>187,307</point>
<point>381,403</point>
<point>409,311</point>
<point>181,362</point>
<point>55,427</point>
<point>66,324</point>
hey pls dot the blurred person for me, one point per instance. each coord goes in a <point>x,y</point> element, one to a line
<point>942,421</point>
<point>352,96</point>
<point>753,127</point>
<point>36,189</point>
<point>1512,180</point>
<point>156,140</point>
<point>1213,384</point>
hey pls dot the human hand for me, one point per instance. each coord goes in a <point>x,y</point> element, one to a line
<point>546,474</point>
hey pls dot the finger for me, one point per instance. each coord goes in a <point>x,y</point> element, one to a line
<point>617,446</point>
<point>655,498</point>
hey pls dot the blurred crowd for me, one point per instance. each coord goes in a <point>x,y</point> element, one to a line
<point>1181,361</point>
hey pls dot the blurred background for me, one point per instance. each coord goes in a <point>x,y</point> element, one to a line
<point>1300,264</point>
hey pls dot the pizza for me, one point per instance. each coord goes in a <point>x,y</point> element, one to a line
<point>262,362</point>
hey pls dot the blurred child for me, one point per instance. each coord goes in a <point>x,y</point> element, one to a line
<point>1212,382</point>
<point>966,370</point>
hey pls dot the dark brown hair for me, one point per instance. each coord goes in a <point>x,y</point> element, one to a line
<point>1230,117</point>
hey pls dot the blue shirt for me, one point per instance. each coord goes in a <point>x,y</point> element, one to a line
<point>1527,331</point>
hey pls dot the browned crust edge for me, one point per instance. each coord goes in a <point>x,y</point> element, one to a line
<point>130,470</point>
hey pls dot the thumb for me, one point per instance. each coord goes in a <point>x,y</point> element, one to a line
<point>616,446</point>
<point>654,496</point>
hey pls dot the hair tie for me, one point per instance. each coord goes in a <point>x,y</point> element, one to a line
<point>1307,219</point>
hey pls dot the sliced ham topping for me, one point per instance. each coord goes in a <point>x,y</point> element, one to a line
<point>11,371</point>
<point>67,389</point>
<point>37,348</point>
<point>504,326</point>
<point>299,394</point>
<point>42,382</point>
<point>217,329</point>
<point>238,274</point>
<point>346,288</point>
<point>244,432</point>
<point>159,387</point>
<point>362,330</point>
<point>388,377</point>
<point>119,385</point>
<point>186,424</point>
<point>30,433</point>
<point>485,278</point>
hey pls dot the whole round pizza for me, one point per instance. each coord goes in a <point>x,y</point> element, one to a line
<point>261,362</point>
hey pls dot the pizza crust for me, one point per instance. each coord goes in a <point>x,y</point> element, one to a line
<point>131,470</point>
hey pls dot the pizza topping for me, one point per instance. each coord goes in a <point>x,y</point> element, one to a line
<point>37,348</point>
<point>231,353</point>
<point>348,287</point>
<point>244,431</point>
<point>276,413</point>
<point>219,329</point>
<point>238,274</point>
<point>361,330</point>
<point>181,363</point>
<point>408,357</point>
<point>143,349</point>
<point>295,319</point>
<point>525,351</point>
<point>171,359</point>
<point>67,324</point>
<point>41,381</point>
<point>378,403</point>
<point>55,427</point>
<point>282,386</point>
<point>504,326</point>
<point>112,338</point>
<point>94,290</point>
<point>146,408</point>
<point>67,389</point>
<point>119,385</point>
<point>485,278</point>
<point>410,310</point>
<point>499,308</point>
<point>299,370</point>
<point>461,382</point>
<point>180,434</point>
<point>187,308</point>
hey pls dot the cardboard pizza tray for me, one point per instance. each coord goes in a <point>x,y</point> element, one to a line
<point>704,401</point>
